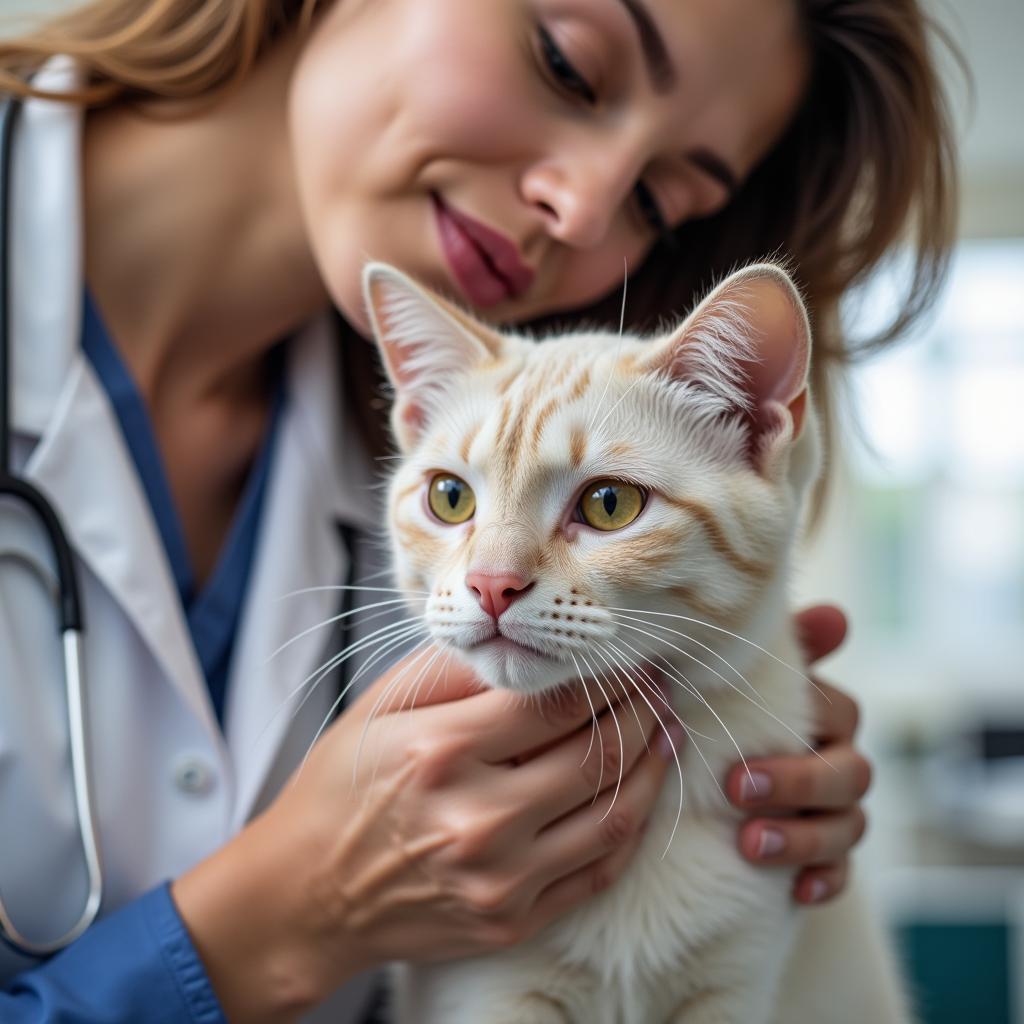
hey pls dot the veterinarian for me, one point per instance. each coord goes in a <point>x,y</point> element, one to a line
<point>194,186</point>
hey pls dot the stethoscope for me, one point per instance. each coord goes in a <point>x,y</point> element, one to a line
<point>69,612</point>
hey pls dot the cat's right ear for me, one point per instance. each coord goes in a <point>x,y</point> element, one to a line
<point>426,342</point>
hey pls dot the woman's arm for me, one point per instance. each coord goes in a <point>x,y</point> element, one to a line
<point>819,797</point>
<point>450,829</point>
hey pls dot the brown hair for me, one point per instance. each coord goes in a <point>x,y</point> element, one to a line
<point>868,159</point>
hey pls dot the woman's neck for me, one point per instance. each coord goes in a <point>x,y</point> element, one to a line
<point>196,250</point>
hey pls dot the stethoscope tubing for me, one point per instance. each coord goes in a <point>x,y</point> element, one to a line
<point>69,606</point>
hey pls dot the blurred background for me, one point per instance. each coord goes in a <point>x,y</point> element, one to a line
<point>923,545</point>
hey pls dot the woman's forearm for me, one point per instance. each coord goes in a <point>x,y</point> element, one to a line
<point>245,909</point>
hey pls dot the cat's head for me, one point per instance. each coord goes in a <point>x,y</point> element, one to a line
<point>555,497</point>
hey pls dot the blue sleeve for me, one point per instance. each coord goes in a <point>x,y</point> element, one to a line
<point>138,965</point>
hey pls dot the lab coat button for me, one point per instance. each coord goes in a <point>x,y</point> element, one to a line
<point>194,776</point>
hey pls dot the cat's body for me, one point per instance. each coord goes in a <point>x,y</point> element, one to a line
<point>711,426</point>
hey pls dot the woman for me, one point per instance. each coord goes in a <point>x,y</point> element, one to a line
<point>238,162</point>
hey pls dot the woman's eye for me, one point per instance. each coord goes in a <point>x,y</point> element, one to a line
<point>650,211</point>
<point>561,69</point>
<point>451,499</point>
<point>611,504</point>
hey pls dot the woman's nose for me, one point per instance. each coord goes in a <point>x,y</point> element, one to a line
<point>580,198</point>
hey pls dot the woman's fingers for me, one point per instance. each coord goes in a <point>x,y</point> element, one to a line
<point>574,771</point>
<point>836,714</point>
<point>835,780</point>
<point>821,882</point>
<point>820,630</point>
<point>602,849</point>
<point>823,839</point>
<point>603,826</point>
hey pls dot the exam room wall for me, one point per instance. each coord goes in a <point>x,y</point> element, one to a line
<point>923,543</point>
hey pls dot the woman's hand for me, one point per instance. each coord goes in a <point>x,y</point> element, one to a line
<point>471,824</point>
<point>823,818</point>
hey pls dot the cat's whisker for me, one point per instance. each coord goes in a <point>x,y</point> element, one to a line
<point>622,398</point>
<point>403,633</point>
<point>625,689</point>
<point>620,617</point>
<point>447,665</point>
<point>593,717</point>
<point>321,671</point>
<point>679,764</point>
<point>592,672</point>
<point>622,746</point>
<point>680,679</point>
<point>341,586</point>
<point>382,652</point>
<point>690,730</point>
<point>618,350</point>
<point>424,643</point>
<point>335,618</point>
<point>438,651</point>
<point>761,707</point>
<point>735,636</point>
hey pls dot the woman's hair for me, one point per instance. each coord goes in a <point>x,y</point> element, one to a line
<point>868,159</point>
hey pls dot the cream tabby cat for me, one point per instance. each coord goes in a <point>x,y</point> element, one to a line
<point>619,502</point>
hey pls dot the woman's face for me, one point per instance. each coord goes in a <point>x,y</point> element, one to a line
<point>515,154</point>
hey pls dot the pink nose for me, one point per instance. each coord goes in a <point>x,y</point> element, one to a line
<point>496,592</point>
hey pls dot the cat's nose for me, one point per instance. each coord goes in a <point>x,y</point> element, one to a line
<point>496,592</point>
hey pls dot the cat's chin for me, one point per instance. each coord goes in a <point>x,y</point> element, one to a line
<point>504,664</point>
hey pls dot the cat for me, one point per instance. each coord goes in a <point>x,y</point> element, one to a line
<point>641,497</point>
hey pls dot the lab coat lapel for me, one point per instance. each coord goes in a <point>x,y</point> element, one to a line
<point>82,463</point>
<point>320,476</point>
<point>80,460</point>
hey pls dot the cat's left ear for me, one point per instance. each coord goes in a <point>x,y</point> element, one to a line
<point>748,344</point>
<point>427,343</point>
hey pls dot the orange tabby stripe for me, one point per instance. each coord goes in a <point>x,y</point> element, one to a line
<point>714,615</point>
<point>467,441</point>
<point>580,386</point>
<point>621,450</point>
<point>648,551</point>
<point>514,440</point>
<point>404,493</point>
<point>577,447</point>
<point>719,541</point>
<point>420,544</point>
<point>540,422</point>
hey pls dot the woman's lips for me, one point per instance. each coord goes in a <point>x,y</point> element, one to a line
<point>485,263</point>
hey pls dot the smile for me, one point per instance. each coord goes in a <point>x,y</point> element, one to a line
<point>484,263</point>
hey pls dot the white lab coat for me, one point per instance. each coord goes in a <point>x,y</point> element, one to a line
<point>169,787</point>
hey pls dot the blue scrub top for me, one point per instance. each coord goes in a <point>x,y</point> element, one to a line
<point>212,611</point>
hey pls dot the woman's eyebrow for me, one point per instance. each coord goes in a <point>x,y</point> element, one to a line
<point>660,68</point>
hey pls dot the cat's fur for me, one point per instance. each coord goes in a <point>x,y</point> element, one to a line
<point>712,419</point>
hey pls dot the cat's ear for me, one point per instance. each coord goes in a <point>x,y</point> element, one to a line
<point>748,344</point>
<point>426,342</point>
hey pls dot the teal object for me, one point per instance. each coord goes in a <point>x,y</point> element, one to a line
<point>958,973</point>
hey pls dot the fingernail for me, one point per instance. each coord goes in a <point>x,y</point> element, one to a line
<point>770,843</point>
<point>755,786</point>
<point>817,890</point>
<point>671,740</point>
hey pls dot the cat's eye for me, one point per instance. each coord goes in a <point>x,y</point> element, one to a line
<point>451,499</point>
<point>611,504</point>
